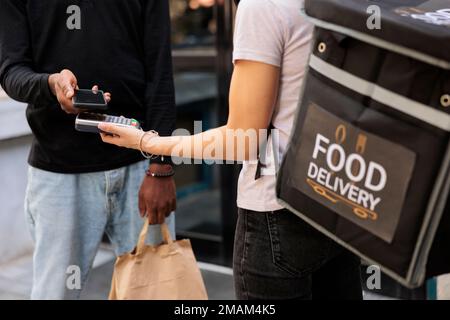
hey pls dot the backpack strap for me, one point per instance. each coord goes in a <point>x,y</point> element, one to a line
<point>262,151</point>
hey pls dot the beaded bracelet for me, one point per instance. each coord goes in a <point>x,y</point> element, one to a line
<point>171,173</point>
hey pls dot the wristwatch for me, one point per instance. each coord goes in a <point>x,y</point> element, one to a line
<point>161,160</point>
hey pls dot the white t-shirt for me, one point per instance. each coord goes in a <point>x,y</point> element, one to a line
<point>272,32</point>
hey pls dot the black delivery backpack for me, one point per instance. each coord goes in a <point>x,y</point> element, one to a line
<point>368,161</point>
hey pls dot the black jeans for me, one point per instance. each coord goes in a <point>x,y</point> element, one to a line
<point>279,256</point>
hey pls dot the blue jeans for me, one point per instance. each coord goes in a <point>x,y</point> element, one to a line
<point>68,215</point>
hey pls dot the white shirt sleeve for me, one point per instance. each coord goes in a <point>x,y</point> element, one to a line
<point>260,32</point>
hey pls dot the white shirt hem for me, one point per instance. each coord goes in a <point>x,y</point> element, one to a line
<point>259,207</point>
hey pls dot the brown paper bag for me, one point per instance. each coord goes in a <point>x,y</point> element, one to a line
<point>165,272</point>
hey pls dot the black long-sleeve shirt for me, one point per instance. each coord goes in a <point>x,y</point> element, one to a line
<point>122,45</point>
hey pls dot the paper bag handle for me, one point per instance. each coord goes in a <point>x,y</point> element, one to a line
<point>167,238</point>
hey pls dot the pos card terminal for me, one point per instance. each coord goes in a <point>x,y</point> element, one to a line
<point>88,122</point>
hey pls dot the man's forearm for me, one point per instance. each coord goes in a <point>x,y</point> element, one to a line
<point>23,84</point>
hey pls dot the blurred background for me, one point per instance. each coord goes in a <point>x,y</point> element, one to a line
<point>202,41</point>
<point>202,54</point>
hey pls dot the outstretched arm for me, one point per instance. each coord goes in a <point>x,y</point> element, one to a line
<point>253,93</point>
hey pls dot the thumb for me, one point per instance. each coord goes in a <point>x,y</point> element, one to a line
<point>110,128</point>
<point>69,93</point>
<point>68,83</point>
<point>67,88</point>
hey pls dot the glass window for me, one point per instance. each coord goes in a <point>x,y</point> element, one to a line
<point>195,57</point>
<point>193,23</point>
<point>193,35</point>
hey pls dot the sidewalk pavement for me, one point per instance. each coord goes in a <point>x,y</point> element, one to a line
<point>16,279</point>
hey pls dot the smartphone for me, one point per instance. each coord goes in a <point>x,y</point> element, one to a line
<point>89,99</point>
<point>88,122</point>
